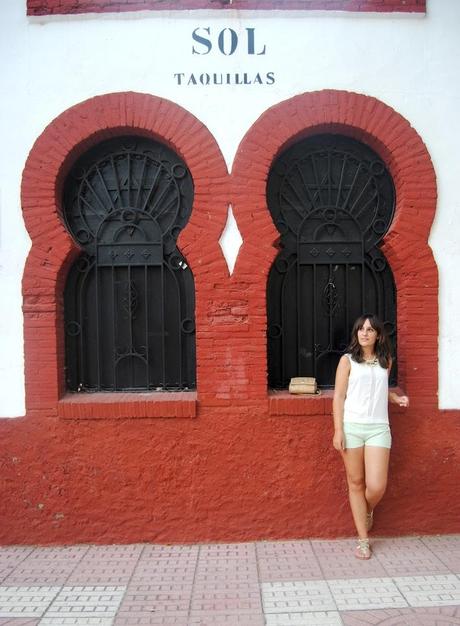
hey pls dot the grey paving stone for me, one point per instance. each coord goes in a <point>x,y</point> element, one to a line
<point>336,559</point>
<point>10,556</point>
<point>228,550</point>
<point>268,549</point>
<point>447,549</point>
<point>438,616</point>
<point>226,599</point>
<point>110,553</point>
<point>426,591</point>
<point>40,575</point>
<point>17,621</point>
<point>366,593</point>
<point>300,596</point>
<point>149,619</point>
<point>314,618</point>
<point>5,572</point>
<point>168,552</point>
<point>64,553</point>
<point>293,567</point>
<point>86,602</point>
<point>76,621</point>
<point>251,619</point>
<point>407,556</point>
<point>26,601</point>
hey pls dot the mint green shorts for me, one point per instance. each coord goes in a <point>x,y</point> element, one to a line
<point>358,435</point>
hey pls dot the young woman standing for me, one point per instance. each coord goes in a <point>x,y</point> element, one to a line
<point>361,428</point>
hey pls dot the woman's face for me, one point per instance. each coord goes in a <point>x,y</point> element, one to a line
<point>367,336</point>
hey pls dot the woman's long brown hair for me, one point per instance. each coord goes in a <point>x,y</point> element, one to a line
<point>382,345</point>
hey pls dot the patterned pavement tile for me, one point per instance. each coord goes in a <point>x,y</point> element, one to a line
<point>11,556</point>
<point>407,557</point>
<point>228,550</point>
<point>43,575</point>
<point>64,553</point>
<point>30,601</point>
<point>315,618</point>
<point>95,602</point>
<point>297,597</point>
<point>251,619</point>
<point>5,572</point>
<point>229,599</point>
<point>447,549</point>
<point>289,568</point>
<point>439,590</point>
<point>116,572</point>
<point>76,621</point>
<point>154,577</point>
<point>225,570</point>
<point>336,559</point>
<point>172,599</point>
<point>149,619</point>
<point>283,561</point>
<point>366,593</point>
<point>439,616</point>
<point>14,621</point>
<point>46,566</point>
<point>169,552</point>
<point>266,549</point>
<point>111,553</point>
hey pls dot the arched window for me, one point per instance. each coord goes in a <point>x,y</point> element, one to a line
<point>332,200</point>
<point>129,297</point>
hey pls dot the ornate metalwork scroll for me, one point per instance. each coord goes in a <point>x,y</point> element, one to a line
<point>129,298</point>
<point>332,200</point>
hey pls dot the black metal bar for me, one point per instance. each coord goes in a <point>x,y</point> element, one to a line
<point>146,313</point>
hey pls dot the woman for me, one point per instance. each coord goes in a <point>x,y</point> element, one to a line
<point>361,429</point>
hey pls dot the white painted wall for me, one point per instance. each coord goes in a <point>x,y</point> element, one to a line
<point>411,63</point>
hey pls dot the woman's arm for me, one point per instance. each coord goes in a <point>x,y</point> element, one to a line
<point>393,397</point>
<point>340,393</point>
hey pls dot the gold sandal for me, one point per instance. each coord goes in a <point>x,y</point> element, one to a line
<point>363,550</point>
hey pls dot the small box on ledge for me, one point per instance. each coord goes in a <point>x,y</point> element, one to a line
<point>303,384</point>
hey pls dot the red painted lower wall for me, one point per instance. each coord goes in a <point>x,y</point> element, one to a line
<point>221,477</point>
<point>232,462</point>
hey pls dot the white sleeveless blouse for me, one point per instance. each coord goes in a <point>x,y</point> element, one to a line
<point>366,401</point>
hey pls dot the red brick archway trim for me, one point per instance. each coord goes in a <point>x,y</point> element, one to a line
<point>53,251</point>
<point>405,246</point>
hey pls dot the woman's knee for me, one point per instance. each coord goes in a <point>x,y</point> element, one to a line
<point>376,489</point>
<point>356,483</point>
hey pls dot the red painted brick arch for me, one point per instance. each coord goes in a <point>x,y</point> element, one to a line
<point>51,157</point>
<point>406,244</point>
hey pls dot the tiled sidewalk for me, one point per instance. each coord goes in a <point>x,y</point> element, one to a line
<point>409,581</point>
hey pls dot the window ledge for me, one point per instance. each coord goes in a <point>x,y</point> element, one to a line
<point>127,405</point>
<point>284,403</point>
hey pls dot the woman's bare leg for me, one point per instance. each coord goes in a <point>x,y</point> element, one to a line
<point>376,461</point>
<point>353,459</point>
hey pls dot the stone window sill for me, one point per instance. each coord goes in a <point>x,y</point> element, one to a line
<point>284,403</point>
<point>128,405</point>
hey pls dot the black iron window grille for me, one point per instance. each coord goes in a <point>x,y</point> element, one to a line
<point>129,298</point>
<point>332,200</point>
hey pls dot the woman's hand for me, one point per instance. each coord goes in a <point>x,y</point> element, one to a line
<point>338,441</point>
<point>402,401</point>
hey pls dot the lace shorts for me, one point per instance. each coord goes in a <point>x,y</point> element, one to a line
<point>358,435</point>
